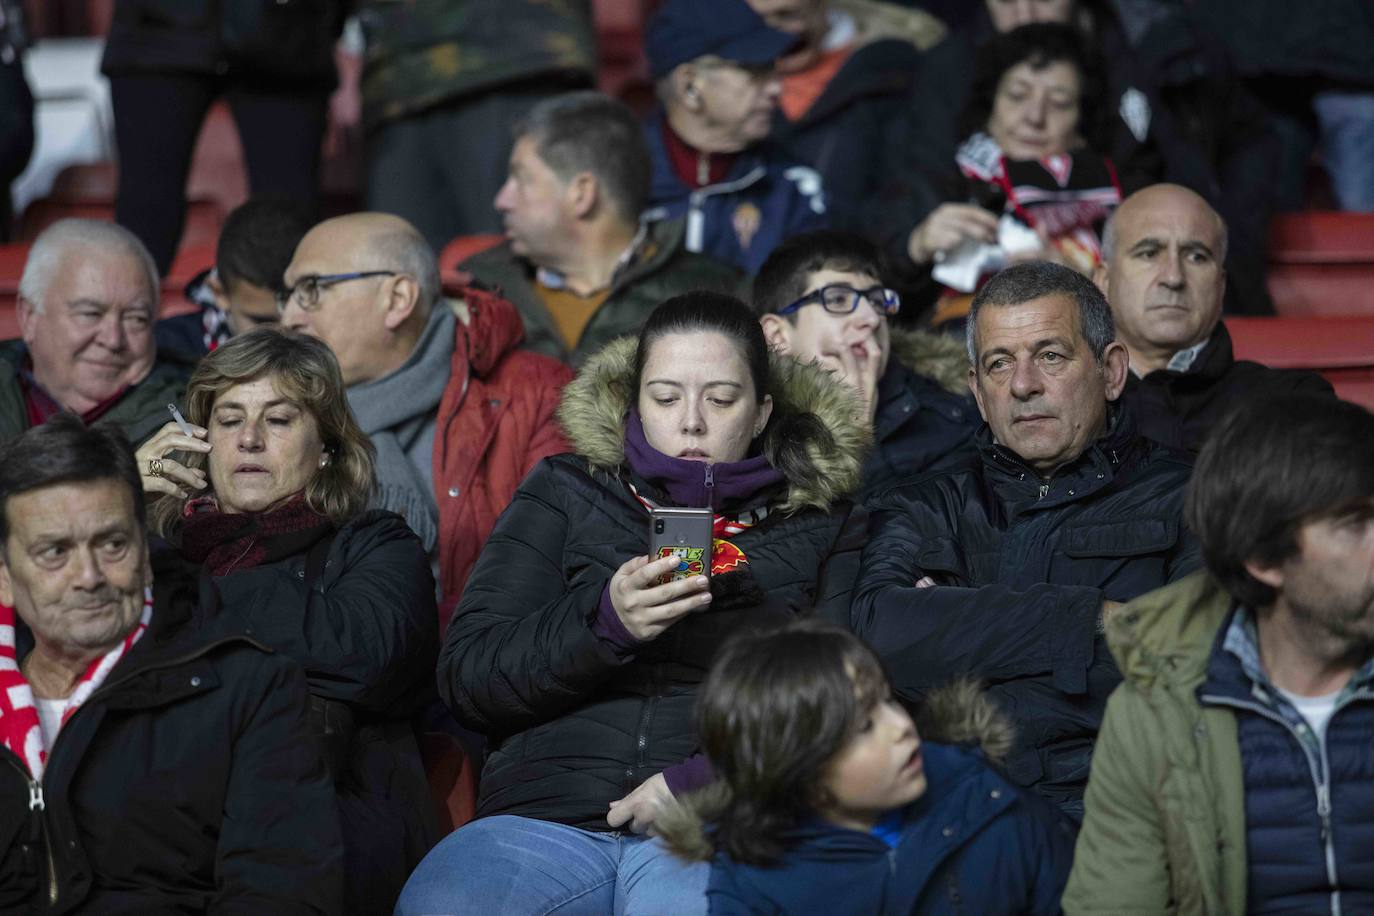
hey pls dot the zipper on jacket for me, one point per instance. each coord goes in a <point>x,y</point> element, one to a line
<point>710,481</point>
<point>1044,491</point>
<point>1320,772</point>
<point>37,808</point>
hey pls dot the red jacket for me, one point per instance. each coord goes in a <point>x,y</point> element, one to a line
<point>496,421</point>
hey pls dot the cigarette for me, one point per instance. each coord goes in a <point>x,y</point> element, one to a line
<point>181,421</point>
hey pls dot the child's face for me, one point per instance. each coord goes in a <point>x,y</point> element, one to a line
<point>879,769</point>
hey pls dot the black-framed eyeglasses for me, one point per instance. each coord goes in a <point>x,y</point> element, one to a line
<point>306,292</point>
<point>843,299</point>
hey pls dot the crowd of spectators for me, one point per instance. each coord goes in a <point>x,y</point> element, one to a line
<point>1000,585</point>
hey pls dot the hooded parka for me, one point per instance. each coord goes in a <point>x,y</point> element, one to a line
<point>576,720</point>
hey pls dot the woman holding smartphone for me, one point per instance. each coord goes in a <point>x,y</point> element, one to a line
<point>574,658</point>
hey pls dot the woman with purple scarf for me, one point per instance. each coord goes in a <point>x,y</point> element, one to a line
<point>578,665</point>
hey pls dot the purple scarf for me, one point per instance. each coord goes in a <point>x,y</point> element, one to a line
<point>696,484</point>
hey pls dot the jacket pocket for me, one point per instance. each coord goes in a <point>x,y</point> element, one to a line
<point>1124,558</point>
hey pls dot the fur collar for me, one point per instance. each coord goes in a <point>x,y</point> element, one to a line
<point>595,403</point>
<point>939,356</point>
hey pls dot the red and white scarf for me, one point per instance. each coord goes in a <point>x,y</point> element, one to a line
<point>19,728</point>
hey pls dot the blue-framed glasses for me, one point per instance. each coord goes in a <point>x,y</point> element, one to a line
<point>306,292</point>
<point>843,299</point>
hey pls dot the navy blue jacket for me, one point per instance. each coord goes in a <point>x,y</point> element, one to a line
<point>763,199</point>
<point>918,426</point>
<point>1309,804</point>
<point>972,844</point>
<point>1021,568</point>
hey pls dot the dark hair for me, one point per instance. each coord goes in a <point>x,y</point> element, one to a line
<point>66,450</point>
<point>1034,280</point>
<point>258,241</point>
<point>591,132</point>
<point>1271,465</point>
<point>707,311</point>
<point>1039,44</point>
<point>782,278</point>
<point>774,711</point>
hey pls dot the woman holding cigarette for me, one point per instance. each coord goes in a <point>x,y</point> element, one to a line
<point>269,497</point>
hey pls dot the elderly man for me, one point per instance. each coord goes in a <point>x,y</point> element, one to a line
<point>579,265</point>
<point>154,757</point>
<point>713,66</point>
<point>1004,569</point>
<point>820,297</point>
<point>458,414</point>
<point>1163,251</point>
<point>88,298</point>
<point>1233,771</point>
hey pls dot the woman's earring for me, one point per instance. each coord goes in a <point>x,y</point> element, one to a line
<point>324,460</point>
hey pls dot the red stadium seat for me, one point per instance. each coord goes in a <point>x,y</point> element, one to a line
<point>1322,263</point>
<point>12,258</point>
<point>1340,348</point>
<point>452,779</point>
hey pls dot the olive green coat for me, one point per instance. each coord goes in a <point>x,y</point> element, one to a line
<point>139,413</point>
<point>669,270</point>
<point>1165,825</point>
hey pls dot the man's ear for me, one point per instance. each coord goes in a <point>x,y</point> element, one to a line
<point>685,80</point>
<point>583,194</point>
<point>1100,278</point>
<point>1116,363</point>
<point>6,586</point>
<point>402,296</point>
<point>216,288</point>
<point>1271,576</point>
<point>777,330</point>
<point>28,320</point>
<point>977,390</point>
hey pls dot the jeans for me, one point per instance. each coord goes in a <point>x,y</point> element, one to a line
<point>1346,120</point>
<point>518,866</point>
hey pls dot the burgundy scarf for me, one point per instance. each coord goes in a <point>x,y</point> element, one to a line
<point>223,543</point>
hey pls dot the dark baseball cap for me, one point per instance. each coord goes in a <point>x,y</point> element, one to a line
<point>683,30</point>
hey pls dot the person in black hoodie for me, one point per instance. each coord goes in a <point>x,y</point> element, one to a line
<point>154,753</point>
<point>580,670</point>
<point>272,506</point>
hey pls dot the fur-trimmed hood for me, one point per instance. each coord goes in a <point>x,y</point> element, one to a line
<point>595,405</point>
<point>960,713</point>
<point>939,356</point>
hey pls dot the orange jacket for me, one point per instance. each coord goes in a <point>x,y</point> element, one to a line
<point>496,421</point>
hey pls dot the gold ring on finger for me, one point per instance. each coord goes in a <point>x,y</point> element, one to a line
<point>154,467</point>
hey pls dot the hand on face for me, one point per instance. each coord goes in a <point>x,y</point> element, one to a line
<point>172,477</point>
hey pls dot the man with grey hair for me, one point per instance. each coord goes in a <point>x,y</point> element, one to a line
<point>1162,270</point>
<point>1006,567</point>
<point>458,414</point>
<point>578,263</point>
<point>88,298</point>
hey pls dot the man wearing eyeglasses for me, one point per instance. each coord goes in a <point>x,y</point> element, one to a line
<point>712,62</point>
<point>457,412</point>
<point>819,297</point>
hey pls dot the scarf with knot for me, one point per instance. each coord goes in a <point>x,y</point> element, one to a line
<point>224,542</point>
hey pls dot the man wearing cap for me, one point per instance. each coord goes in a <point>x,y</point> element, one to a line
<point>712,63</point>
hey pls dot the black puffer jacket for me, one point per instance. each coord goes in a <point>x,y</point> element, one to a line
<point>1021,568</point>
<point>357,612</point>
<point>574,722</point>
<point>187,783</point>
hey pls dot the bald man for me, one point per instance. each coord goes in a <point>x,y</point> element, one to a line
<point>1163,251</point>
<point>458,413</point>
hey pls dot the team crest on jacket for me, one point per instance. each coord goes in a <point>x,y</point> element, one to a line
<point>746,221</point>
<point>725,556</point>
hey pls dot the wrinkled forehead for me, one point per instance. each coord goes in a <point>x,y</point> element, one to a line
<point>1177,219</point>
<point>1027,325</point>
<point>75,511</point>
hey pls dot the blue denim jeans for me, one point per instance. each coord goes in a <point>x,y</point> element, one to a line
<point>518,866</point>
<point>1347,129</point>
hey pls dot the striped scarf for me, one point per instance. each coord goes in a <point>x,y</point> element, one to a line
<point>19,728</point>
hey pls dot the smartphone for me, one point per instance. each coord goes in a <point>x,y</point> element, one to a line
<point>683,533</point>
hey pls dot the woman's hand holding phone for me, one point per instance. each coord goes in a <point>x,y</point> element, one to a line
<point>647,608</point>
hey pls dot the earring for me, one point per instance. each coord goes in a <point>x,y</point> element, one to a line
<point>324,461</point>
